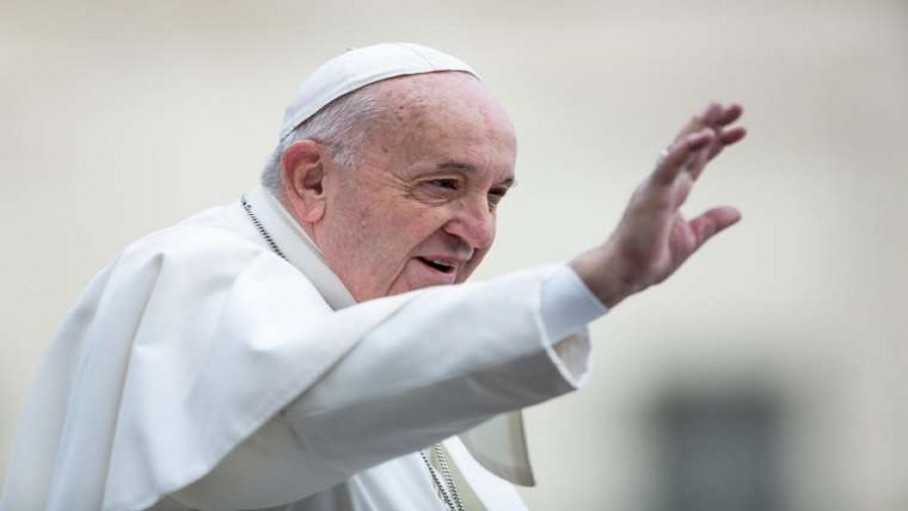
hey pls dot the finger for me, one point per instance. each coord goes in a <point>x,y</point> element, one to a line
<point>712,115</point>
<point>724,139</point>
<point>699,159</point>
<point>718,115</point>
<point>732,135</point>
<point>713,222</point>
<point>679,154</point>
<point>715,117</point>
<point>727,137</point>
<point>730,114</point>
<point>708,117</point>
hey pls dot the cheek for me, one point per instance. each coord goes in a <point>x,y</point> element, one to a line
<point>411,226</point>
<point>477,258</point>
<point>471,267</point>
<point>390,234</point>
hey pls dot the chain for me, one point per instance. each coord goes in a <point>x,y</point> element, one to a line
<point>452,500</point>
<point>261,228</point>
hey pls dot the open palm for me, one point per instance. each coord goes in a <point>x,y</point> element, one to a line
<point>653,238</point>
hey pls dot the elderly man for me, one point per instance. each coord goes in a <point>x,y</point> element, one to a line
<point>305,349</point>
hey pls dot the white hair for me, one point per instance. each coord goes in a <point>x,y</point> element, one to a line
<point>341,126</point>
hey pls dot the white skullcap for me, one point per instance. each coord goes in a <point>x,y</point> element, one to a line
<point>360,67</point>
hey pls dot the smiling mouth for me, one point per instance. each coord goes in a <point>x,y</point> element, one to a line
<point>437,265</point>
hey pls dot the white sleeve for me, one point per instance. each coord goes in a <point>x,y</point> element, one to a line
<point>567,307</point>
<point>447,360</point>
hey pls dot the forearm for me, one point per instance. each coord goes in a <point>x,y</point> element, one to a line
<point>446,361</point>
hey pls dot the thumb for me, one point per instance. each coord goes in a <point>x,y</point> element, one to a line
<point>713,222</point>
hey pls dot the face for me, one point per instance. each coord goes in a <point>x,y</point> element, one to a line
<point>420,209</point>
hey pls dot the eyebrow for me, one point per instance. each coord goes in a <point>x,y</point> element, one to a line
<point>510,182</point>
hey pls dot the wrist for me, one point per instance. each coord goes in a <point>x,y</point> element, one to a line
<point>605,277</point>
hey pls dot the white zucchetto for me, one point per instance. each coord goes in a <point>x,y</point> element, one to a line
<point>360,67</point>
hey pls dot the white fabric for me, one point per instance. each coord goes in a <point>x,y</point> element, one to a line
<point>360,67</point>
<point>201,363</point>
<point>567,304</point>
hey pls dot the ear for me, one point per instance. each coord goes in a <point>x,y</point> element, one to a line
<point>303,175</point>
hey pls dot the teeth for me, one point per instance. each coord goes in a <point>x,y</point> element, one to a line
<point>440,265</point>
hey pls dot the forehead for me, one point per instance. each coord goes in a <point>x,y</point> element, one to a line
<point>445,117</point>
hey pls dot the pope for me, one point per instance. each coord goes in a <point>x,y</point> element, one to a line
<point>314,346</point>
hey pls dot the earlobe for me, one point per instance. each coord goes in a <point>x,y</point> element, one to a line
<point>303,177</point>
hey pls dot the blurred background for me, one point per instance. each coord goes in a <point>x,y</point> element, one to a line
<point>770,374</point>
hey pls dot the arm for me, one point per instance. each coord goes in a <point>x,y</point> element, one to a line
<point>443,361</point>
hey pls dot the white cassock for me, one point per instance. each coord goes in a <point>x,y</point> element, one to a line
<point>202,371</point>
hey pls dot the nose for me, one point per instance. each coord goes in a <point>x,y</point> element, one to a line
<point>473,222</point>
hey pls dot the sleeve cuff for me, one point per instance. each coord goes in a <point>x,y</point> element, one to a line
<point>567,304</point>
<point>566,307</point>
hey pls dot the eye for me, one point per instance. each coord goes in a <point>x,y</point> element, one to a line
<point>495,197</point>
<point>449,184</point>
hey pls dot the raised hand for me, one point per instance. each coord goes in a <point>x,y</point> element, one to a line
<point>653,238</point>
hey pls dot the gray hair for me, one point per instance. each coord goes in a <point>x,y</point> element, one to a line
<point>341,126</point>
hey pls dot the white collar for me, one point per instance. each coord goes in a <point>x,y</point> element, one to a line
<point>298,247</point>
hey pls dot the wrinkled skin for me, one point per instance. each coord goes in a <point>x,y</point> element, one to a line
<point>420,209</point>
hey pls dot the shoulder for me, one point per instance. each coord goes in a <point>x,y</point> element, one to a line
<point>210,245</point>
<point>211,234</point>
<point>206,261</point>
